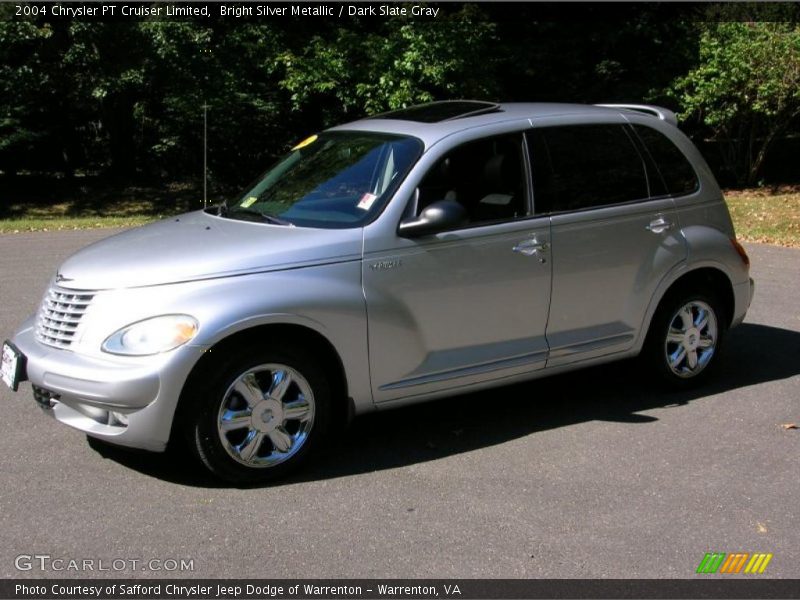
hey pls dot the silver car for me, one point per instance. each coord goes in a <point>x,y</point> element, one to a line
<point>420,253</point>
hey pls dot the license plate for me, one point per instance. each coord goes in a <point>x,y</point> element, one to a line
<point>11,369</point>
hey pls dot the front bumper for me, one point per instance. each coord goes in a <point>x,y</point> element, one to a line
<point>130,402</point>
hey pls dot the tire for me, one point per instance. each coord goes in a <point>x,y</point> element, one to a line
<point>260,416</point>
<point>685,339</point>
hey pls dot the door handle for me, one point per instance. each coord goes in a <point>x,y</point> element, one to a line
<point>530,247</point>
<point>659,225</point>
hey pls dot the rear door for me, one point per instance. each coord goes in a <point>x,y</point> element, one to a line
<point>614,235</point>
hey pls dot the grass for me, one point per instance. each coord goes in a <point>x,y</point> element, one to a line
<point>70,223</point>
<point>769,215</point>
<point>52,204</point>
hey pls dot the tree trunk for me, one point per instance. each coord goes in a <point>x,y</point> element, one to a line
<point>70,147</point>
<point>778,127</point>
<point>755,163</point>
<point>119,123</point>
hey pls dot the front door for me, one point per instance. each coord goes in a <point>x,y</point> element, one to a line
<point>464,306</point>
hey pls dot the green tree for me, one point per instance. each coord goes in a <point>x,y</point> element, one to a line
<point>67,90</point>
<point>19,89</point>
<point>45,105</point>
<point>233,70</point>
<point>363,68</point>
<point>745,89</point>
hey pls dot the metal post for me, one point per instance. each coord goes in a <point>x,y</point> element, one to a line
<point>205,155</point>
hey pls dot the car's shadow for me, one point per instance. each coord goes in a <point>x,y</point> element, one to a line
<point>617,392</point>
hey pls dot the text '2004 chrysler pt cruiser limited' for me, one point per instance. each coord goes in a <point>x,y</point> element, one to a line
<point>417,254</point>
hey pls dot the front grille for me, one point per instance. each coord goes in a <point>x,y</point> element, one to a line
<point>60,314</point>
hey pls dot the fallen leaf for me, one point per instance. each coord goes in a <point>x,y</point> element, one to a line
<point>789,425</point>
<point>761,528</point>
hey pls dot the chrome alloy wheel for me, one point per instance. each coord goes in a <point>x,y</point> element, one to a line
<point>691,339</point>
<point>266,415</point>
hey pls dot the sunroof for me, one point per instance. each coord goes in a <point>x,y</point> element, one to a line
<point>435,112</point>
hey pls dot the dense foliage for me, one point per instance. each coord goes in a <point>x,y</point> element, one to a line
<point>125,98</point>
<point>745,90</point>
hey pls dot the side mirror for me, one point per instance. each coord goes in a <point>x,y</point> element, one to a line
<point>439,216</point>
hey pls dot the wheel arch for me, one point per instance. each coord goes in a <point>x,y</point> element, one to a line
<point>302,335</point>
<point>704,277</point>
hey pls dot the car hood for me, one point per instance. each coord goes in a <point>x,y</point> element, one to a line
<point>201,246</point>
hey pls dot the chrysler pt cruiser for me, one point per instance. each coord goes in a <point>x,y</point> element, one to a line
<point>412,255</point>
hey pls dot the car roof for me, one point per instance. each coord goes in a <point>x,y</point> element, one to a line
<point>402,122</point>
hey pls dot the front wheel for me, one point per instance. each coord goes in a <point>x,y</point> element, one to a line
<point>685,339</point>
<point>261,416</point>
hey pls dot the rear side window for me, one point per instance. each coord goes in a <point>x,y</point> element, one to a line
<point>678,174</point>
<point>585,166</point>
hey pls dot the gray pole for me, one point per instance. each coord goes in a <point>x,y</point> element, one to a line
<point>205,155</point>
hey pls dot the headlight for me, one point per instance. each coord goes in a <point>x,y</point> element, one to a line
<point>151,336</point>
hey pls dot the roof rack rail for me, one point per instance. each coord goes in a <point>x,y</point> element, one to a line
<point>442,110</point>
<point>657,111</point>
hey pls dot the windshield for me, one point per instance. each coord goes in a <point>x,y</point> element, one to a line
<point>336,179</point>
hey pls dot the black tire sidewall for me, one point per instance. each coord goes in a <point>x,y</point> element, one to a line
<point>201,422</point>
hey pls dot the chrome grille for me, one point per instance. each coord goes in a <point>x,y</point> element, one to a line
<point>60,314</point>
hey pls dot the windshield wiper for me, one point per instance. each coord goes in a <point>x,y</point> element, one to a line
<point>249,213</point>
<point>276,220</point>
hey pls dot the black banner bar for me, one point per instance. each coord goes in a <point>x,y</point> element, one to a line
<point>396,589</point>
<point>337,10</point>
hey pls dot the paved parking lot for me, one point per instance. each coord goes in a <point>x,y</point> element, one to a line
<point>593,474</point>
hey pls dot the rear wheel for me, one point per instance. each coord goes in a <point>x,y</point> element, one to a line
<point>685,338</point>
<point>263,415</point>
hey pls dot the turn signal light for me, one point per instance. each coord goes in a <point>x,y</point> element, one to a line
<point>740,251</point>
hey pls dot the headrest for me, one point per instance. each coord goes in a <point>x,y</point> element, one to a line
<point>501,172</point>
<point>440,175</point>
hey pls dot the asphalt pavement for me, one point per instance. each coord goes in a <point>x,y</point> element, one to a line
<point>592,474</point>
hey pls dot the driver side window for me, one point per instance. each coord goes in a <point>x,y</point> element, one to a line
<point>486,177</point>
